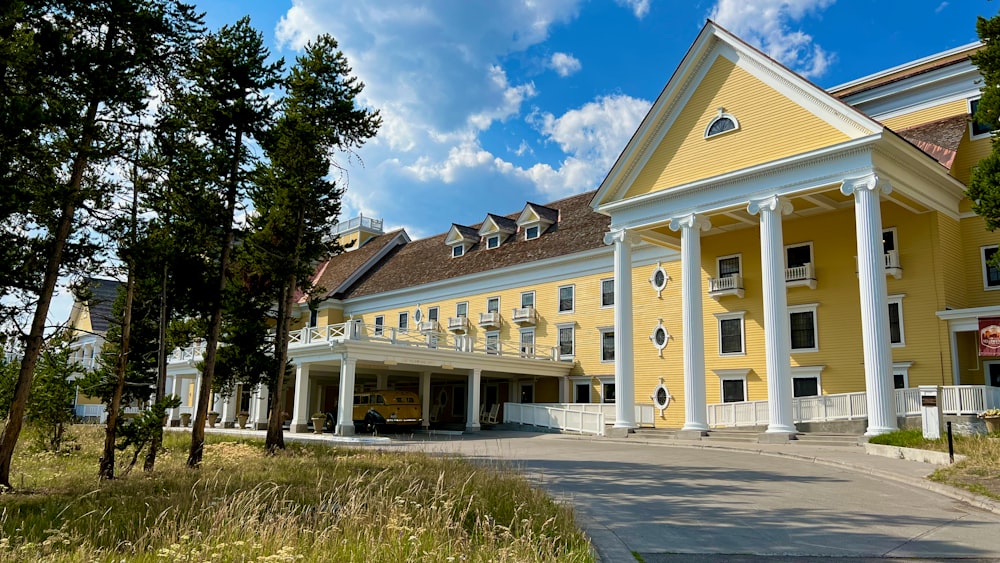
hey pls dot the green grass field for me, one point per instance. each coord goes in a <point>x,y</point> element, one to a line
<point>309,503</point>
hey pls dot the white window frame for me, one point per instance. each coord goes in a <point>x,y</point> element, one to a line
<point>492,241</point>
<point>982,261</point>
<point>732,375</point>
<point>898,300</point>
<point>520,341</point>
<point>972,123</point>
<point>527,293</point>
<point>604,391</point>
<point>604,330</point>
<point>458,251</point>
<point>728,316</point>
<point>572,299</point>
<point>895,239</point>
<point>576,389</point>
<point>527,232</point>
<point>495,299</point>
<point>808,372</point>
<point>458,309</point>
<point>812,256</point>
<point>433,314</point>
<point>492,349</point>
<point>403,321</point>
<point>902,368</point>
<point>719,259</point>
<point>379,327</point>
<point>572,328</point>
<point>806,308</point>
<point>612,304</point>
<point>718,117</point>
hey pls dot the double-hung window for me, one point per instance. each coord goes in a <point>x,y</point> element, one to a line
<point>991,274</point>
<point>379,325</point>
<point>802,322</point>
<point>404,321</point>
<point>896,334</point>
<point>566,298</point>
<point>607,293</point>
<point>493,305</point>
<point>731,339</point>
<point>607,344</point>
<point>729,266</point>
<point>462,309</point>
<point>567,341</point>
<point>527,299</point>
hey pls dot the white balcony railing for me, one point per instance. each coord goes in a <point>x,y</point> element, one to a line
<point>489,320</point>
<point>458,324</point>
<point>804,275</point>
<point>728,285</point>
<point>956,400</point>
<point>892,264</point>
<point>523,315</point>
<point>428,326</point>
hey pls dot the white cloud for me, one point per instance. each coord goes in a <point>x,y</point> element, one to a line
<point>639,7</point>
<point>766,24</point>
<point>564,64</point>
<point>940,7</point>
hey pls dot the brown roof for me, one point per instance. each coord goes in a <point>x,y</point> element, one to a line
<point>504,223</point>
<point>429,260</point>
<point>939,138</point>
<point>332,273</point>
<point>546,213</point>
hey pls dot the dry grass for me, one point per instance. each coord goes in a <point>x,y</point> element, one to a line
<point>979,472</point>
<point>310,503</point>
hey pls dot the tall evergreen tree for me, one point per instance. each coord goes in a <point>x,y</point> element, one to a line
<point>91,65</point>
<point>984,187</point>
<point>227,103</point>
<point>295,198</point>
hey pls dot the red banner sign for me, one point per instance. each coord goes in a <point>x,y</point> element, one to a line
<point>989,336</point>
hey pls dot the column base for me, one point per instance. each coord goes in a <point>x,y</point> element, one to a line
<point>781,429</point>
<point>770,437</point>
<point>299,428</point>
<point>344,430</point>
<point>626,425</point>
<point>691,434</point>
<point>473,428</point>
<point>879,430</point>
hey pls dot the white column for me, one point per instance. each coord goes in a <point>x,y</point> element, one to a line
<point>229,406</point>
<point>175,390</point>
<point>472,410</point>
<point>345,405</point>
<point>260,417</point>
<point>217,403</point>
<point>623,240</point>
<point>425,399</point>
<point>300,407</point>
<point>777,334</point>
<point>692,322</point>
<point>874,301</point>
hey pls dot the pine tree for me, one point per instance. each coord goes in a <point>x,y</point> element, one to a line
<point>984,187</point>
<point>294,196</point>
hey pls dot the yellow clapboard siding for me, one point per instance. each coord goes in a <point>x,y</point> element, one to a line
<point>974,238</point>
<point>686,155</point>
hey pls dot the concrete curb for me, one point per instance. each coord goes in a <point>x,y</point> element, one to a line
<point>605,544</point>
<point>911,454</point>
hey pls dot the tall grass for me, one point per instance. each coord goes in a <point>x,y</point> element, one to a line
<point>309,503</point>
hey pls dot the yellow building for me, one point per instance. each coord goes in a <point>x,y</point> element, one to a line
<point>763,253</point>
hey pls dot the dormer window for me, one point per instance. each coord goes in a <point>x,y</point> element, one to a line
<point>535,219</point>
<point>461,238</point>
<point>531,233</point>
<point>457,251</point>
<point>493,241</point>
<point>721,123</point>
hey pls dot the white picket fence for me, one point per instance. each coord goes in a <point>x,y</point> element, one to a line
<point>955,400</point>
<point>100,412</point>
<point>549,416</point>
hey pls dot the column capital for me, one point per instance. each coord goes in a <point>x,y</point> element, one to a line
<point>870,182</point>
<point>690,221</point>
<point>621,235</point>
<point>769,204</point>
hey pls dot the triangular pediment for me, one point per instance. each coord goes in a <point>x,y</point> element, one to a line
<point>774,115</point>
<point>460,234</point>
<point>534,214</point>
<point>495,224</point>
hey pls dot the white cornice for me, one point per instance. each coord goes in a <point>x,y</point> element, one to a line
<point>904,67</point>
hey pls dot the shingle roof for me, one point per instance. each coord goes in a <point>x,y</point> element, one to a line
<point>331,274</point>
<point>102,296</point>
<point>547,213</point>
<point>504,223</point>
<point>428,260</point>
<point>939,138</point>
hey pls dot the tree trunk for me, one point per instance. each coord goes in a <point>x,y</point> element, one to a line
<point>215,323</point>
<point>161,371</point>
<point>36,335</point>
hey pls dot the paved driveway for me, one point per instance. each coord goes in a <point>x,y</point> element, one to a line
<point>661,500</point>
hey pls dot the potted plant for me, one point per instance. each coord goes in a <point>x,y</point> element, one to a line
<point>318,419</point>
<point>213,417</point>
<point>242,417</point>
<point>992,419</point>
<point>185,419</point>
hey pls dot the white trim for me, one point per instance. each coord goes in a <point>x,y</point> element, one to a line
<point>972,123</point>
<point>986,371</point>
<point>458,251</point>
<point>804,308</point>
<point>985,268</point>
<point>494,334</point>
<point>527,232</point>
<point>718,259</point>
<point>459,304</point>
<point>520,340</point>
<point>495,298</point>
<point>898,300</point>
<point>808,372</point>
<point>605,382</point>
<point>612,282</point>
<point>904,369</point>
<point>728,316</point>
<point>655,397</point>
<point>732,375</point>
<point>812,255</point>
<point>490,242</point>
<point>437,313</point>
<point>666,337</point>
<point>572,309</point>
<point>722,114</point>
<point>379,325</point>
<point>530,292</point>
<point>582,382</point>
<point>895,238</point>
<point>604,330</point>
<point>572,328</point>
<point>403,316</point>
<point>658,288</point>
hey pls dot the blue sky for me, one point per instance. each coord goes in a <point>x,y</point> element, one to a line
<point>488,104</point>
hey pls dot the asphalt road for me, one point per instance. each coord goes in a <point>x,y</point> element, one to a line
<point>684,504</point>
